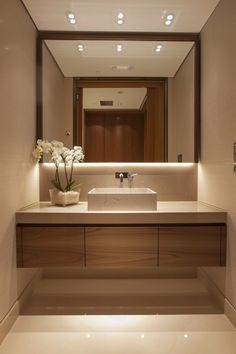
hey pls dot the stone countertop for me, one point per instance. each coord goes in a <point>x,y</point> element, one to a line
<point>179,212</point>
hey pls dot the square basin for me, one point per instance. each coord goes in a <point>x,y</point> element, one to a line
<point>122,199</point>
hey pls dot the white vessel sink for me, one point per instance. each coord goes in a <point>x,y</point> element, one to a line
<point>122,199</point>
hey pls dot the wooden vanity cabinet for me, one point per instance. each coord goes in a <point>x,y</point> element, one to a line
<point>198,245</point>
<point>50,246</point>
<point>121,247</point>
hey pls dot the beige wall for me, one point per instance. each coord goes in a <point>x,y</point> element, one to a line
<point>170,182</point>
<point>217,181</point>
<point>19,174</point>
<point>181,112</point>
<point>57,102</point>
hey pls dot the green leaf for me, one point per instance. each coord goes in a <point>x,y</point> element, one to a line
<point>56,185</point>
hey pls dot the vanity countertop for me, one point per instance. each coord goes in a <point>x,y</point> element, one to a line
<point>167,213</point>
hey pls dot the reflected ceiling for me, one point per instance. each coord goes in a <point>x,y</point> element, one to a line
<point>100,58</point>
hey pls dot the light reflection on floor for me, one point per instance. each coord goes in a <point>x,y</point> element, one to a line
<point>162,334</point>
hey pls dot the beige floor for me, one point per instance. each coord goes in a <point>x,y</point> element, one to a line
<point>162,334</point>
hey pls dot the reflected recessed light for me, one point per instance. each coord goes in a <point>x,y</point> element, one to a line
<point>119,47</point>
<point>88,335</point>
<point>158,47</point>
<point>142,335</point>
<point>185,335</point>
<point>80,47</point>
<point>168,22</point>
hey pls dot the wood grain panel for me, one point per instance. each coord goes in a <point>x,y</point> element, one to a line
<point>223,245</point>
<point>154,129</point>
<point>190,246</point>
<point>121,247</point>
<point>52,246</point>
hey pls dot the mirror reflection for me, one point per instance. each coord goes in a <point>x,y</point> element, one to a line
<point>147,119</point>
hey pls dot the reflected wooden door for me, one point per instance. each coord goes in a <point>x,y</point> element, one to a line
<point>114,136</point>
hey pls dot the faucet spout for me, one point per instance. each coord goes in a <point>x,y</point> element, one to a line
<point>121,176</point>
<point>131,179</point>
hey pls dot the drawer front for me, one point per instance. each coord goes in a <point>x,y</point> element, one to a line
<point>52,246</point>
<point>109,247</point>
<point>191,245</point>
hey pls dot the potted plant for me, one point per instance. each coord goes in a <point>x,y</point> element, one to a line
<point>61,194</point>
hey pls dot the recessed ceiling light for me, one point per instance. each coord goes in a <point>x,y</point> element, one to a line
<point>120,15</point>
<point>157,49</point>
<point>159,46</point>
<point>120,18</point>
<point>71,17</point>
<point>120,21</point>
<point>170,17</point>
<point>119,47</point>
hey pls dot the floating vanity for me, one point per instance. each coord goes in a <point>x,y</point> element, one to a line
<point>176,234</point>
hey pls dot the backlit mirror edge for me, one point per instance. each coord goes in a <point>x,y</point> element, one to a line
<point>134,36</point>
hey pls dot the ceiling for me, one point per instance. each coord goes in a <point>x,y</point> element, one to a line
<point>101,58</point>
<point>140,15</point>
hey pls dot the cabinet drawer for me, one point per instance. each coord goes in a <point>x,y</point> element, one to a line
<point>121,246</point>
<point>50,246</point>
<point>192,246</point>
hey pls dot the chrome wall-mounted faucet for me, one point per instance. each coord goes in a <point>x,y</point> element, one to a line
<point>131,179</point>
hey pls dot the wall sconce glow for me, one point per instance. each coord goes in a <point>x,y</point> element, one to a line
<point>71,18</point>
<point>80,47</point>
<point>119,47</point>
<point>120,18</point>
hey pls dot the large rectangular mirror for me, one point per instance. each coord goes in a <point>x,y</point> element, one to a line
<point>125,97</point>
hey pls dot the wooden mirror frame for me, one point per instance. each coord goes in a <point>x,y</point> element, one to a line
<point>119,36</point>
